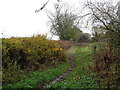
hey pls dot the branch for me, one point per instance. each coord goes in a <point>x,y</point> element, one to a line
<point>105,12</point>
<point>36,11</point>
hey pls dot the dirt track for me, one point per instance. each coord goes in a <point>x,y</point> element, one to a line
<point>65,74</point>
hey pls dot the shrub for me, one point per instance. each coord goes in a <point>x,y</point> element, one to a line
<point>29,53</point>
<point>107,66</point>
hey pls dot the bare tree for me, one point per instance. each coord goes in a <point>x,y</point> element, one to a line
<point>107,16</point>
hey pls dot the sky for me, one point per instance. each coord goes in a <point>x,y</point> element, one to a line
<point>18,17</point>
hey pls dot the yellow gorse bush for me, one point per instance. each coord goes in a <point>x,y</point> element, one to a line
<point>30,53</point>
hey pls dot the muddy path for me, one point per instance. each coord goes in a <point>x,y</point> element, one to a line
<point>62,77</point>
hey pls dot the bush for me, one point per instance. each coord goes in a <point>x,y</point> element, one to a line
<point>29,53</point>
<point>107,66</point>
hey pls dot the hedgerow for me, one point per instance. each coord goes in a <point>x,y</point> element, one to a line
<point>27,54</point>
<point>107,65</point>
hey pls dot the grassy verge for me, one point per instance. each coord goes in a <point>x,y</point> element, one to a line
<point>82,75</point>
<point>37,78</point>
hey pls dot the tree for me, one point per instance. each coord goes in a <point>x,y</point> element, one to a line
<point>84,37</point>
<point>64,22</point>
<point>107,16</point>
<point>98,33</point>
<point>77,33</point>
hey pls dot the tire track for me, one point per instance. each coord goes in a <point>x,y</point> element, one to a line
<point>65,74</point>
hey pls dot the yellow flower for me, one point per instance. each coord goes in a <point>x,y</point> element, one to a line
<point>61,49</point>
<point>55,49</point>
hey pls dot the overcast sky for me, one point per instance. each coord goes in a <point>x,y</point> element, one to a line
<point>18,17</point>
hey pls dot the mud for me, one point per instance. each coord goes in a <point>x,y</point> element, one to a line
<point>65,74</point>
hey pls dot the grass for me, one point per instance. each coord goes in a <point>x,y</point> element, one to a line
<point>82,75</point>
<point>71,50</point>
<point>87,49</point>
<point>37,78</point>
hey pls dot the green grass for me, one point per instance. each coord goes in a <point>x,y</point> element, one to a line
<point>82,75</point>
<point>37,78</point>
<point>87,49</point>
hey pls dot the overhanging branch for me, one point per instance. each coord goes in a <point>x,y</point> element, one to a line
<point>36,11</point>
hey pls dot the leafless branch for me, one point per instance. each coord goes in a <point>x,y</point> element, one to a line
<point>36,11</point>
